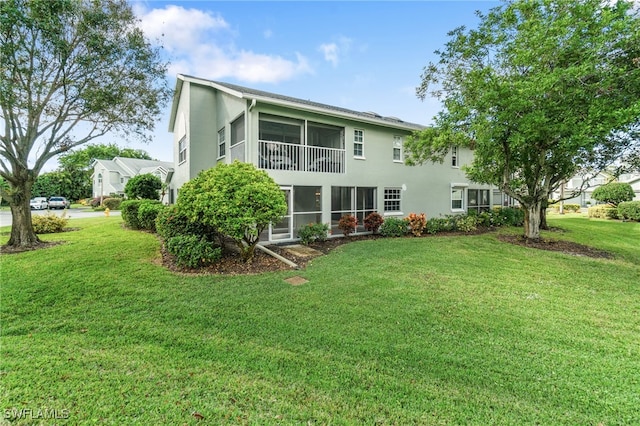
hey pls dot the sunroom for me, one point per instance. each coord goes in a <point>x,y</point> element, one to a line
<point>300,145</point>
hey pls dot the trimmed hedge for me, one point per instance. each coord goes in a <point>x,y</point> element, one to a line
<point>130,210</point>
<point>603,211</point>
<point>629,210</point>
<point>393,227</point>
<point>193,251</point>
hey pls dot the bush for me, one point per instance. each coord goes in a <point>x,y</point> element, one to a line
<point>416,223</point>
<point>440,224</point>
<point>112,203</point>
<point>613,193</point>
<point>192,251</point>
<point>629,210</point>
<point>171,222</point>
<point>313,232</point>
<point>567,207</point>
<point>393,227</point>
<point>49,223</point>
<point>144,187</point>
<point>147,213</point>
<point>372,222</point>
<point>129,210</point>
<point>509,216</point>
<point>466,223</point>
<point>603,211</point>
<point>347,224</point>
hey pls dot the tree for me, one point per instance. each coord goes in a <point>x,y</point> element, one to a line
<point>237,199</point>
<point>145,186</point>
<point>71,71</point>
<point>613,193</point>
<point>540,90</point>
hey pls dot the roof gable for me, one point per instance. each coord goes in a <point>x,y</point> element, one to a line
<point>288,101</point>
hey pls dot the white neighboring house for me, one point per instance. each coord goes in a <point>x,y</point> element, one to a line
<point>602,178</point>
<point>110,176</point>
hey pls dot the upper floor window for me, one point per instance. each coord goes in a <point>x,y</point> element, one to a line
<point>397,149</point>
<point>392,199</point>
<point>222,145</point>
<point>237,131</point>
<point>358,143</point>
<point>182,150</point>
<point>454,156</point>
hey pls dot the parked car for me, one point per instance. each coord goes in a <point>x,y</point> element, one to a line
<point>59,203</point>
<point>39,203</point>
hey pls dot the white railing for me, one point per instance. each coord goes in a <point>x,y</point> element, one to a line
<point>303,158</point>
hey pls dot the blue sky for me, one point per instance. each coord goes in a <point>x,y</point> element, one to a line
<point>361,55</point>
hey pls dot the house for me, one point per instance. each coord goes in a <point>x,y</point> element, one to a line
<point>329,161</point>
<point>583,187</point>
<point>110,176</point>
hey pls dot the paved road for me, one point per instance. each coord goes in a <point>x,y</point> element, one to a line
<point>6,220</point>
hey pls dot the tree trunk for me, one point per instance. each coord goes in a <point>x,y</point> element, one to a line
<point>543,217</point>
<point>532,221</point>
<point>22,233</point>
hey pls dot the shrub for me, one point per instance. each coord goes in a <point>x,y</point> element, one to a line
<point>603,211</point>
<point>49,223</point>
<point>629,210</point>
<point>440,224</point>
<point>192,251</point>
<point>145,187</point>
<point>393,227</point>
<point>347,224</point>
<point>510,216</point>
<point>466,223</point>
<point>171,222</point>
<point>416,223</point>
<point>237,199</point>
<point>147,213</point>
<point>313,232</point>
<point>613,193</point>
<point>567,207</point>
<point>112,203</point>
<point>372,222</point>
<point>129,210</point>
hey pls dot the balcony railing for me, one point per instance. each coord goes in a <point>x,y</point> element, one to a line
<point>303,158</point>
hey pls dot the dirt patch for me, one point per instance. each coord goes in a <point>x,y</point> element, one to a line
<point>5,249</point>
<point>566,247</point>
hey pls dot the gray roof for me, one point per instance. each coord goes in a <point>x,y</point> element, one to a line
<point>134,166</point>
<point>274,98</point>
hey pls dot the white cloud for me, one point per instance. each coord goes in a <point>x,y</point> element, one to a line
<point>201,44</point>
<point>335,51</point>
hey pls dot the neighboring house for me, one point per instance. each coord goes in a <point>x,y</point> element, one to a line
<point>329,161</point>
<point>110,176</point>
<point>585,187</point>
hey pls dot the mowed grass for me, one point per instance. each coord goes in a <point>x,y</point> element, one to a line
<point>435,330</point>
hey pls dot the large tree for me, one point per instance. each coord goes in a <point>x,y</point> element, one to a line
<point>540,90</point>
<point>70,71</point>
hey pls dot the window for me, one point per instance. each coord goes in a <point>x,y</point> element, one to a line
<point>478,200</point>
<point>454,156</point>
<point>392,199</point>
<point>182,150</point>
<point>457,198</point>
<point>358,143</point>
<point>356,201</point>
<point>99,177</point>
<point>237,131</point>
<point>307,205</point>
<point>221,143</point>
<point>397,149</point>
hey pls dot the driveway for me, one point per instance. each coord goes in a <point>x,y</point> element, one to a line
<point>73,213</point>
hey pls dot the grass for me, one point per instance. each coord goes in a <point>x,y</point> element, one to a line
<point>451,330</point>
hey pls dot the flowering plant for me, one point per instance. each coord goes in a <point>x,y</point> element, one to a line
<point>372,222</point>
<point>347,224</point>
<point>417,223</point>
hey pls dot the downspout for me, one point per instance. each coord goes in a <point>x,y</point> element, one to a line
<point>277,256</point>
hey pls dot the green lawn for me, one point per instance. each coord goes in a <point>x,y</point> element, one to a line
<point>436,330</point>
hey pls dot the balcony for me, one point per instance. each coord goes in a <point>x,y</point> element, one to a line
<point>302,158</point>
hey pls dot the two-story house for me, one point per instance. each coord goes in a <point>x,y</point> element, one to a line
<point>329,161</point>
<point>110,176</point>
